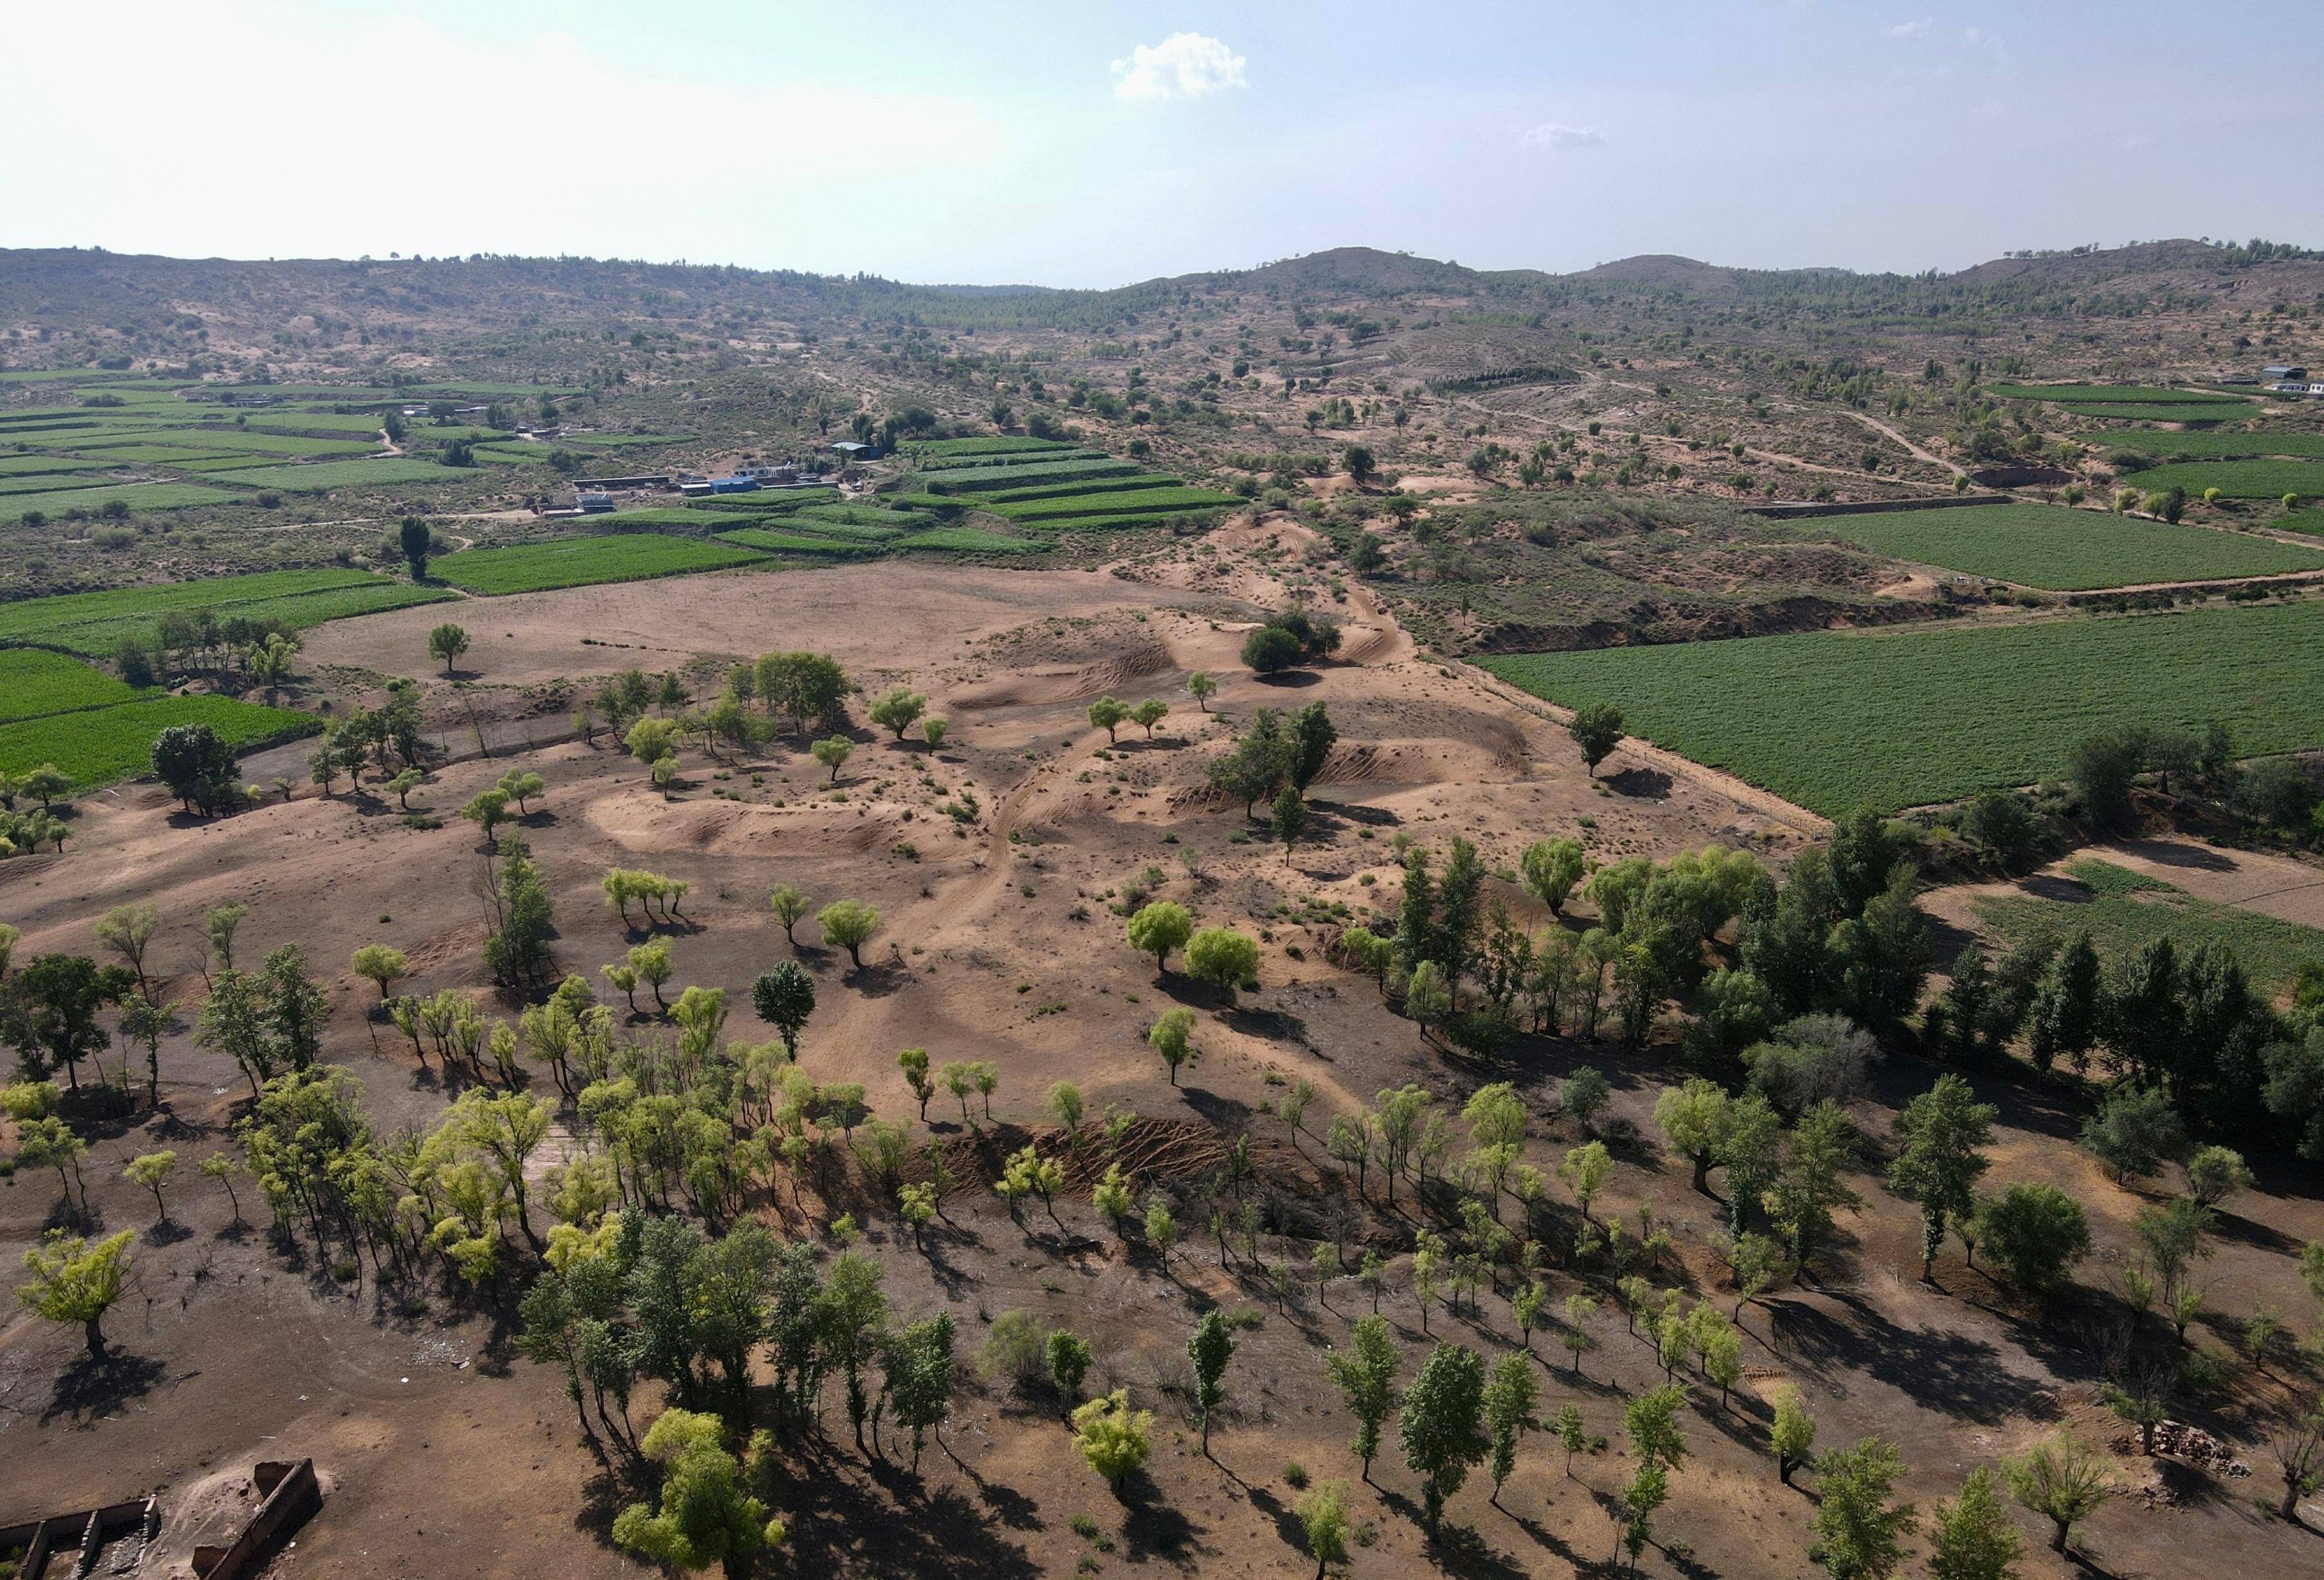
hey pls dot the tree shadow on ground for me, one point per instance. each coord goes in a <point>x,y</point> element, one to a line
<point>1949,1372</point>
<point>97,1385</point>
<point>1639,784</point>
<point>882,1519</point>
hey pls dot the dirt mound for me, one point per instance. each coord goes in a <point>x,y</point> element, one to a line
<point>642,821</point>
<point>1414,761</point>
<point>1129,664</point>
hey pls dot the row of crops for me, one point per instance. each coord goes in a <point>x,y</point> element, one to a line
<point>95,729</point>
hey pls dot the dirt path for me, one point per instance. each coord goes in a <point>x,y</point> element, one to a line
<point>2273,885</point>
<point>1878,427</point>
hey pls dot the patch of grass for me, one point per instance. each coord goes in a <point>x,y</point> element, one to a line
<point>971,541</point>
<point>2235,479</point>
<point>101,746</point>
<point>137,496</point>
<point>315,476</point>
<point>573,562</point>
<point>1902,718</point>
<point>94,624</point>
<point>2065,550</point>
<point>2126,911</point>
<point>34,684</point>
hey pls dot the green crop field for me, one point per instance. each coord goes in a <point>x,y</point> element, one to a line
<point>1131,502</point>
<point>795,542</point>
<point>971,541</point>
<point>1904,716</point>
<point>34,684</point>
<point>234,438</point>
<point>100,746</point>
<point>2065,550</point>
<point>573,562</point>
<point>371,471</point>
<point>1111,523</point>
<point>94,624</point>
<point>856,532</point>
<point>999,445</point>
<point>29,465</point>
<point>2113,394</point>
<point>2237,479</point>
<point>358,424</point>
<point>2158,412</point>
<point>2216,445</point>
<point>50,484</point>
<point>598,441</point>
<point>137,496</point>
<point>861,515</point>
<point>2123,911</point>
<point>981,479</point>
<point>514,455</point>
<point>2311,522</point>
<point>1096,485</point>
<point>1009,458</point>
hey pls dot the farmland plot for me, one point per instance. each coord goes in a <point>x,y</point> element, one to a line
<point>2066,550</point>
<point>573,562</point>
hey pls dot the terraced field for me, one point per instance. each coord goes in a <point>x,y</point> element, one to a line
<point>2066,550</point>
<point>94,624</point>
<point>573,562</point>
<point>314,477</point>
<point>2218,446</point>
<point>34,684</point>
<point>97,746</point>
<point>1901,717</point>
<point>778,542</point>
<point>139,497</point>
<point>2237,479</point>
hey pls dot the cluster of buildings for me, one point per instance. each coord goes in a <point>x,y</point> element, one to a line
<point>595,495</point>
<point>2286,380</point>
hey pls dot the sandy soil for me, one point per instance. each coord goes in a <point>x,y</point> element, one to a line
<point>448,1455</point>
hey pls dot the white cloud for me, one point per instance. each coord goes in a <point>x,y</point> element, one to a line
<point>1912,29</point>
<point>1550,135</point>
<point>1186,65</point>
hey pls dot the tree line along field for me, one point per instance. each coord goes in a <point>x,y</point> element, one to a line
<point>572,562</point>
<point>2059,549</point>
<point>95,623</point>
<point>1902,717</point>
<point>2238,479</point>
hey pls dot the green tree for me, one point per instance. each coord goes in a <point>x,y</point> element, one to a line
<point>1322,1515</point>
<point>1597,729</point>
<point>1793,1434</point>
<point>1809,1188</point>
<point>848,924</point>
<point>1366,1372</point>
<point>1272,649</point>
<point>2062,1481</point>
<point>1159,926</point>
<point>1223,956</point>
<point>1149,713</point>
<point>1859,1528</point>
<point>1973,1539</point>
<point>152,1171</point>
<point>1943,1132</point>
<point>2035,1234</point>
<point>1440,1426</point>
<point>2135,1132</point>
<point>920,1377</point>
<point>704,1516</point>
<point>788,905</point>
<point>1109,713</point>
<point>1552,867</point>
<point>71,1280</point>
<point>1211,1346</point>
<point>1289,821</point>
<point>1202,687</point>
<point>447,642</point>
<point>1510,1400</point>
<point>1691,1117</point>
<point>899,710</point>
<point>1171,1036</point>
<point>1069,1359</point>
<point>2216,1173</point>
<point>833,751</point>
<point>784,998</point>
<point>417,542</point>
<point>1114,1438</point>
<point>380,965</point>
<point>128,931</point>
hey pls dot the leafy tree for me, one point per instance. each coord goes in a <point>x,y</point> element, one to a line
<point>848,924</point>
<point>1202,687</point>
<point>1793,1434</point>
<point>1974,1540</point>
<point>1822,1147</point>
<point>1323,1514</point>
<point>920,1377</point>
<point>1069,1359</point>
<point>1210,1349</point>
<point>1597,729</point>
<point>1289,820</point>
<point>807,686</point>
<point>1584,1095</point>
<point>144,1021</point>
<point>1858,1528</point>
<point>1159,926</point>
<point>651,741</point>
<point>1572,1433</point>
<point>2035,1234</point>
<point>71,1280</point>
<point>1109,713</point>
<point>788,905</point>
<point>1552,867</point>
<point>1440,1426</point>
<point>2216,1173</point>
<point>2062,1481</point>
<point>197,765</point>
<point>487,810</point>
<point>706,1517</point>
<point>1113,1438</point>
<point>2133,1132</point>
<point>127,930</point>
<point>933,730</point>
<point>2102,768</point>
<point>784,998</point>
<point>1312,737</point>
<point>1691,1117</point>
<point>1943,1131</point>
<point>415,541</point>
<point>2065,1018</point>
<point>1366,1372</point>
<point>899,710</point>
<point>1510,1400</point>
<point>1270,649</point>
<point>1579,1309</point>
<point>152,1171</point>
<point>380,964</point>
<point>48,1014</point>
<point>46,1141</point>
<point>1585,1171</point>
<point>1149,713</point>
<point>1651,1420</point>
<point>1223,956</point>
<point>447,642</point>
<point>914,1063</point>
<point>832,753</point>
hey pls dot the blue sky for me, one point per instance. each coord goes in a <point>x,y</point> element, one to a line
<point>1093,143</point>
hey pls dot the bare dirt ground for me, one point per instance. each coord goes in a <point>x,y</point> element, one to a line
<point>448,1455</point>
<point>2274,885</point>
